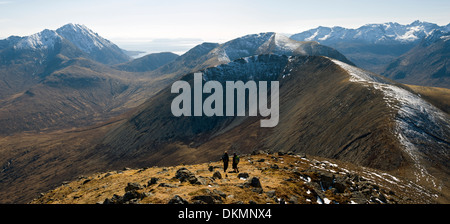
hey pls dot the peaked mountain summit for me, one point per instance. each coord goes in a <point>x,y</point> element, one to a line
<point>98,48</point>
<point>272,43</point>
<point>75,40</point>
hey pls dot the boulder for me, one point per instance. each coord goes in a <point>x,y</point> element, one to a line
<point>193,180</point>
<point>115,199</point>
<point>132,195</point>
<point>326,179</point>
<point>152,181</point>
<point>183,174</point>
<point>133,187</point>
<point>86,181</point>
<point>243,175</point>
<point>254,182</point>
<point>167,185</point>
<point>217,175</point>
<point>220,193</point>
<point>177,200</point>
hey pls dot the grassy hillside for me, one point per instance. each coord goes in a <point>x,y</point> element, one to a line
<point>263,178</point>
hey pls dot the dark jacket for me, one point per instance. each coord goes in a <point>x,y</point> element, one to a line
<point>225,158</point>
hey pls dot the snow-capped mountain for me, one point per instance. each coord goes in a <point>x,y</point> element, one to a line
<point>271,43</point>
<point>207,55</point>
<point>83,37</point>
<point>42,40</point>
<point>371,33</point>
<point>98,48</point>
<point>372,46</point>
<point>79,37</point>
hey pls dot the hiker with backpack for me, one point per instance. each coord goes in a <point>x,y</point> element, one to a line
<point>235,163</point>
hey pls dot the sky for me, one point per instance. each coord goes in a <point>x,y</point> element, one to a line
<point>175,25</point>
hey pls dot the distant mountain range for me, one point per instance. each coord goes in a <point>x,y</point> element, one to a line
<point>375,46</point>
<point>386,33</point>
<point>72,76</point>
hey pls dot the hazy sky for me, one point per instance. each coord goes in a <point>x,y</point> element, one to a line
<point>185,22</point>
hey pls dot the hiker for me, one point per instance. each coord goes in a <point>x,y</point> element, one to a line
<point>235,163</point>
<point>225,159</point>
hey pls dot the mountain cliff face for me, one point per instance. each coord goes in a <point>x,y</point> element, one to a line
<point>372,46</point>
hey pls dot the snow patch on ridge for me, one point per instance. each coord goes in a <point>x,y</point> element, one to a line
<point>42,40</point>
<point>418,123</point>
<point>285,43</point>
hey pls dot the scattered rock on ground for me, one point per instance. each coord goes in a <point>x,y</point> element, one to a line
<point>178,200</point>
<point>217,175</point>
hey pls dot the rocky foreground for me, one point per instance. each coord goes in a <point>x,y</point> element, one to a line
<point>263,178</point>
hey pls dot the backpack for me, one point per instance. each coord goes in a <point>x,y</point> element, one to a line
<point>236,159</point>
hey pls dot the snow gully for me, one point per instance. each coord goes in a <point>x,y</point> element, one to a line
<point>213,105</point>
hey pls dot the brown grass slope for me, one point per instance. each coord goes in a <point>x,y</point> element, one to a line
<point>78,92</point>
<point>439,97</point>
<point>320,113</point>
<point>282,178</point>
